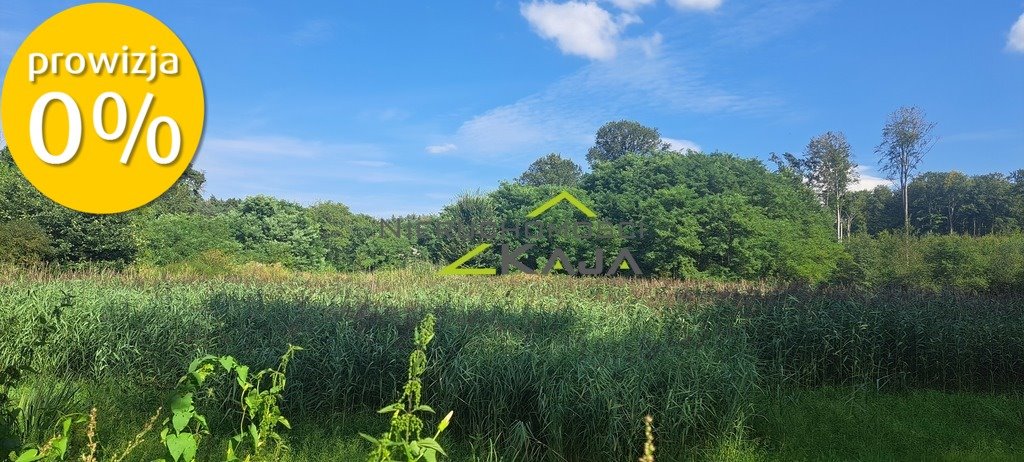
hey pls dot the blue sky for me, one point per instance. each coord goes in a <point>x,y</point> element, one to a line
<point>397,107</point>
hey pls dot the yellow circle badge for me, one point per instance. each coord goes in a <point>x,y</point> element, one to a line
<point>102,108</point>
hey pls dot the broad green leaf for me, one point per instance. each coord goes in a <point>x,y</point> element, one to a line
<point>424,408</point>
<point>227,362</point>
<point>430,443</point>
<point>243,375</point>
<point>391,408</point>
<point>180,420</point>
<point>27,456</point>
<point>182,446</point>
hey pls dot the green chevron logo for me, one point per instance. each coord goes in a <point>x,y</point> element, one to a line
<point>557,261</point>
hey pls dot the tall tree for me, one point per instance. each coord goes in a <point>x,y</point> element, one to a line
<point>906,138</point>
<point>616,139</point>
<point>1017,177</point>
<point>184,196</point>
<point>553,170</point>
<point>830,171</point>
<point>827,168</point>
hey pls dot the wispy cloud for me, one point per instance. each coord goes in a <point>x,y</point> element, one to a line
<point>441,148</point>
<point>753,24</point>
<point>701,5</point>
<point>1015,41</point>
<point>630,5</point>
<point>313,31</point>
<point>9,41</point>
<point>277,146</point>
<point>564,116</point>
<point>249,165</point>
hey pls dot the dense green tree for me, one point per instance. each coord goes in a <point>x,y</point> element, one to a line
<point>990,209</point>
<point>185,196</point>
<point>551,169</point>
<point>939,201</point>
<point>562,227</point>
<point>74,237</point>
<point>872,211</point>
<point>461,226</point>
<point>748,221</point>
<point>906,138</point>
<point>23,242</point>
<point>276,231</point>
<point>81,238</point>
<point>177,237</point>
<point>671,242</point>
<point>951,202</point>
<point>334,222</point>
<point>374,248</point>
<point>616,139</point>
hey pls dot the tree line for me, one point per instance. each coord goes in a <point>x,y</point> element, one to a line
<point>706,215</point>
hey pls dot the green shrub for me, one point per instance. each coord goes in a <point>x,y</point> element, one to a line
<point>23,242</point>
<point>176,238</point>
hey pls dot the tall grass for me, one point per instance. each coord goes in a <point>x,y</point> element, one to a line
<point>537,368</point>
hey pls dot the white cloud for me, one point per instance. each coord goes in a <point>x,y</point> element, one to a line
<point>630,5</point>
<point>583,29</point>
<point>1015,42</point>
<point>564,116</point>
<point>441,148</point>
<point>681,145</point>
<point>868,182</point>
<point>650,45</point>
<point>701,5</point>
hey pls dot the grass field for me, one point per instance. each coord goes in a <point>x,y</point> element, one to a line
<point>538,368</point>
